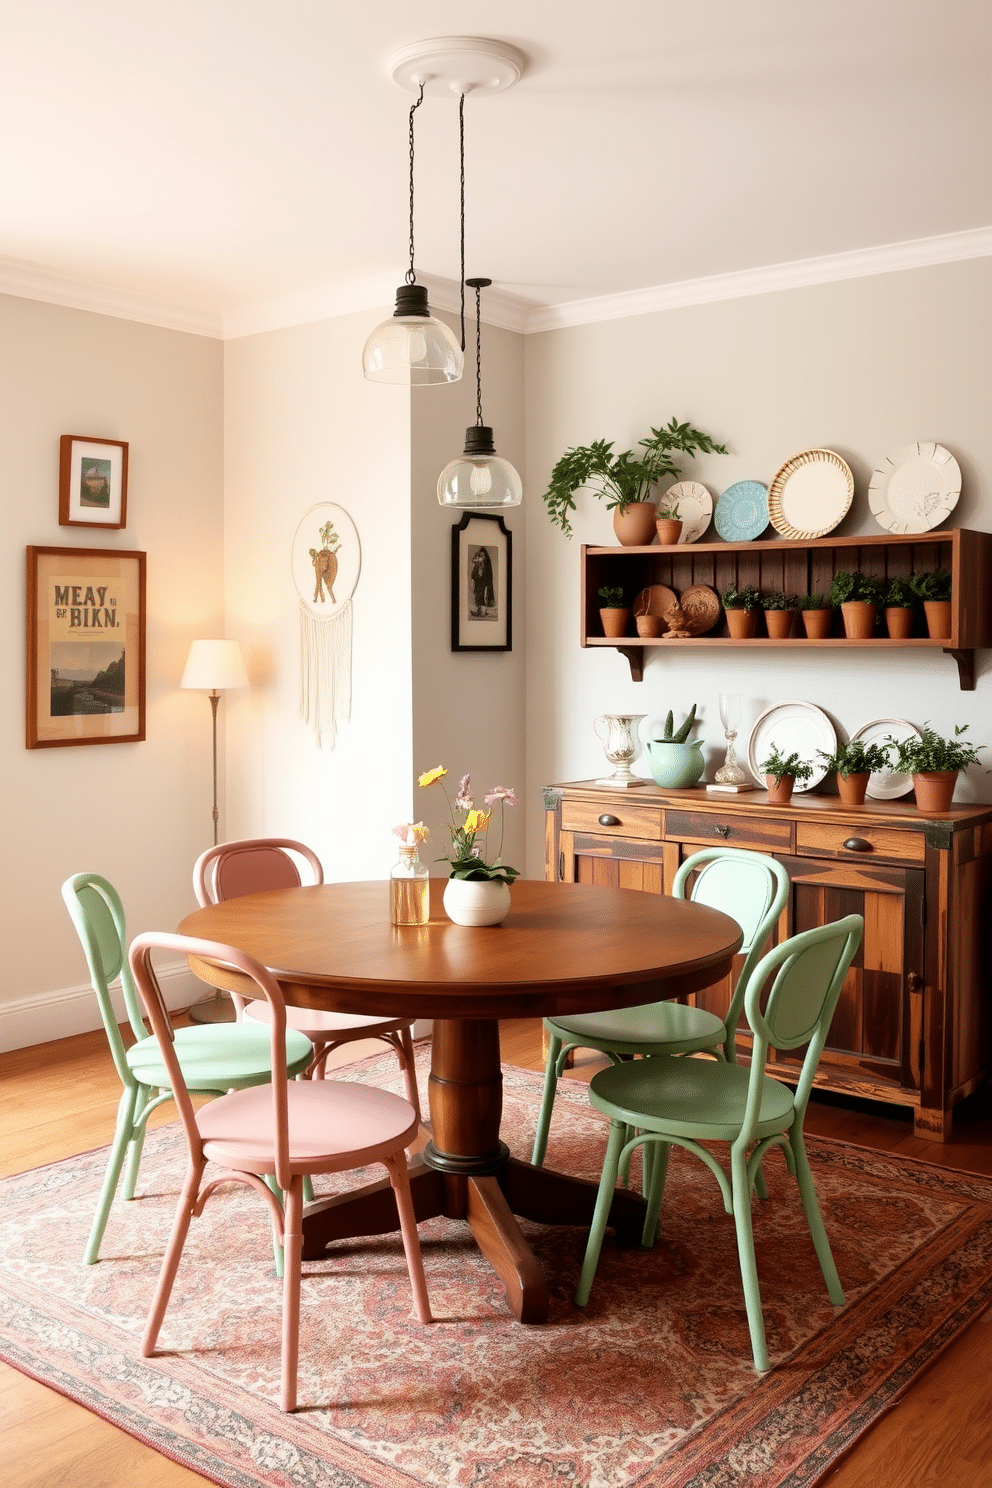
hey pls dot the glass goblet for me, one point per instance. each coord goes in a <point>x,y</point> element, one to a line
<point>730,772</point>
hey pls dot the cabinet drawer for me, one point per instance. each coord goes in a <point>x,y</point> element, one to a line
<point>827,840</point>
<point>730,830</point>
<point>622,819</point>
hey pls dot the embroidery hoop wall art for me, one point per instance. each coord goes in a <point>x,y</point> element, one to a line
<point>327,560</point>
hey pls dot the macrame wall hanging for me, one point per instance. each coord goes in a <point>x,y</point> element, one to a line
<point>327,560</point>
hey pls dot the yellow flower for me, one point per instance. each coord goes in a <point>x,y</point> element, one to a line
<point>419,832</point>
<point>429,776</point>
<point>477,821</point>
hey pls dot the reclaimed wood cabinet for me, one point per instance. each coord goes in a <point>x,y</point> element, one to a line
<point>912,1027</point>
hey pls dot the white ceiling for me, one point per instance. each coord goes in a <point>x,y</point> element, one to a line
<point>233,163</point>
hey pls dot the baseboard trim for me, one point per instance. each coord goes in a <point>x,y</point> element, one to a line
<point>56,1015</point>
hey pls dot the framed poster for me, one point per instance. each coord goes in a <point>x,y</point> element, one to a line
<point>481,584</point>
<point>92,482</point>
<point>85,647</point>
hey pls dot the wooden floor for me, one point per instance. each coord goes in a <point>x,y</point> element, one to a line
<point>59,1099</point>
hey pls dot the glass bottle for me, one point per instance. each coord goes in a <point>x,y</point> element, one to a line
<point>409,891</point>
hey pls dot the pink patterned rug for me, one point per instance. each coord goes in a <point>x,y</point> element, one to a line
<point>651,1386</point>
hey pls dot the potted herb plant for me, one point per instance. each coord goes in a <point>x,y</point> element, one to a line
<point>781,773</point>
<point>614,611</point>
<point>854,762</point>
<point>817,616</point>
<point>934,589</point>
<point>857,595</point>
<point>934,763</point>
<point>623,480</point>
<point>742,603</point>
<point>676,761</point>
<point>668,523</point>
<point>779,611</point>
<point>899,601</point>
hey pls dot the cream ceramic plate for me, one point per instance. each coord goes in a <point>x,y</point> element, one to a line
<point>810,494</point>
<point>915,489</point>
<point>695,506</point>
<point>795,728</point>
<point>886,785</point>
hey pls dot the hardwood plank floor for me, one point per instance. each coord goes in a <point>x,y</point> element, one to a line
<point>59,1099</point>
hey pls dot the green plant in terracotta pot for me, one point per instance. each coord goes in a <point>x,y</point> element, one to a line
<point>899,603</point>
<point>858,596</point>
<point>614,611</point>
<point>668,521</point>
<point>742,604</point>
<point>817,615</point>
<point>933,589</point>
<point>676,761</point>
<point>779,611</point>
<point>781,773</point>
<point>853,763</point>
<point>934,763</point>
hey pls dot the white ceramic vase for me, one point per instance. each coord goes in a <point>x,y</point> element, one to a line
<point>476,901</point>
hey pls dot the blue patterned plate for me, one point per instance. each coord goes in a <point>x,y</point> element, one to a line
<point>742,511</point>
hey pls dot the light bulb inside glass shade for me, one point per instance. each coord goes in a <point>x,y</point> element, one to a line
<point>479,481</point>
<point>413,350</point>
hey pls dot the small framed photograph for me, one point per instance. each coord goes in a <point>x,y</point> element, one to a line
<point>481,584</point>
<point>92,482</point>
<point>85,647</point>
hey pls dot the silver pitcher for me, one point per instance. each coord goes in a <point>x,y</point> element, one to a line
<point>621,745</point>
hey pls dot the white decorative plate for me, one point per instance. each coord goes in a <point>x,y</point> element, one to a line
<point>915,489</point>
<point>886,785</point>
<point>695,506</point>
<point>794,728</point>
<point>810,494</point>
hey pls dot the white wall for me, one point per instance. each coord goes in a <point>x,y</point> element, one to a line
<point>861,367</point>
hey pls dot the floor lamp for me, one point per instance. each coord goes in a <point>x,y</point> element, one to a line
<point>214,667</point>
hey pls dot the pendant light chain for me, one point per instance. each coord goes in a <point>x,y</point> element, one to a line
<point>411,277</point>
<point>461,160</point>
<point>478,355</point>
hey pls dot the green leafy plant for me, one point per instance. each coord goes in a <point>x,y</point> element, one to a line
<point>623,478</point>
<point>612,598</point>
<point>682,733</point>
<point>468,829</point>
<point>668,510</point>
<point>777,766</point>
<point>741,597</point>
<point>899,594</point>
<point>935,585</point>
<point>856,758</point>
<point>918,756</point>
<point>854,586</point>
<point>814,602</point>
<point>778,601</point>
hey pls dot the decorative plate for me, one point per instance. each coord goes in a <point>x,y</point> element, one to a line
<point>915,489</point>
<point>742,511</point>
<point>810,494</point>
<point>886,785</point>
<point>656,599</point>
<point>695,506</point>
<point>701,606</point>
<point>799,728</point>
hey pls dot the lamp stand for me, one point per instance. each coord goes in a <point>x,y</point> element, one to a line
<point>219,1008</point>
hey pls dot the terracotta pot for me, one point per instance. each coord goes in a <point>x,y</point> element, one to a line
<point>779,623</point>
<point>938,613</point>
<point>615,622</point>
<point>635,525</point>
<point>649,625</point>
<point>851,788</point>
<point>859,619</point>
<point>934,790</point>
<point>899,621</point>
<point>780,791</point>
<point>669,530</point>
<point>817,623</point>
<point>742,624</point>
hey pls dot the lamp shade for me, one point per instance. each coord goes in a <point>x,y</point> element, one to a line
<point>479,479</point>
<point>214,666</point>
<point>413,349</point>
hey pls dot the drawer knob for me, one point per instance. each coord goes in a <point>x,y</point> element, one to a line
<point>722,831</point>
<point>606,820</point>
<point>858,844</point>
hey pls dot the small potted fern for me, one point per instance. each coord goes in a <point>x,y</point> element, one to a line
<point>781,773</point>
<point>858,596</point>
<point>742,604</point>
<point>899,603</point>
<point>817,616</point>
<point>934,591</point>
<point>934,763</point>
<point>854,763</point>
<point>614,611</point>
<point>779,611</point>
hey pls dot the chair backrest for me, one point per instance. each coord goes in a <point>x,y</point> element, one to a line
<point>143,971</point>
<point>251,866</point>
<point>751,887</point>
<point>96,911</point>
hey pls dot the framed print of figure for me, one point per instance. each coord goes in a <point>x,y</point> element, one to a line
<point>481,584</point>
<point>92,482</point>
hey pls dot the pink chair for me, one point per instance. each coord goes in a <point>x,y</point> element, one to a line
<point>283,1131</point>
<point>253,865</point>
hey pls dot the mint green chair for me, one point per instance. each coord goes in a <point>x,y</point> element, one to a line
<point>214,1058</point>
<point>689,1101</point>
<point>751,887</point>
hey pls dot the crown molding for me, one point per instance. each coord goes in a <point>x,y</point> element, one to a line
<point>32,282</point>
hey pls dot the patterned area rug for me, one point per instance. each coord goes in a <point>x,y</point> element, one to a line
<point>650,1386</point>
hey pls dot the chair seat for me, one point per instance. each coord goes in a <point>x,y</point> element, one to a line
<point>333,1125</point>
<point>219,1056</point>
<point>699,1098</point>
<point>679,1029</point>
<point>323,1026</point>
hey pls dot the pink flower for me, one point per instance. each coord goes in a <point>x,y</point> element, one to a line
<point>501,793</point>
<point>463,800</point>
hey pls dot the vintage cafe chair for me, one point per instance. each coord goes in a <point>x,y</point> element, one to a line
<point>213,1058</point>
<point>280,1133</point>
<point>253,865</point>
<point>750,886</point>
<point>686,1102</point>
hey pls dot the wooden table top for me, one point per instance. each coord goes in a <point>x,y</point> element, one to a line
<point>333,947</point>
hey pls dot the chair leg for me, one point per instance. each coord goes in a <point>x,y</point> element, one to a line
<point>277,1250</point>
<point>136,1146</point>
<point>123,1135</point>
<point>399,1177</point>
<point>170,1261</point>
<point>745,1253</point>
<point>292,1241</point>
<point>815,1221</point>
<point>654,1156</point>
<point>408,1065</point>
<point>607,1183</point>
<point>547,1099</point>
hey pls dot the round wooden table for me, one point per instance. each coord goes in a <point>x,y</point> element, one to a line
<point>563,948</point>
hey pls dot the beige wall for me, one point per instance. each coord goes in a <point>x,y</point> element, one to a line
<point>861,367</point>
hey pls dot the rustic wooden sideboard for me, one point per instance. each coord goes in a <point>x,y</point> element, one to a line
<point>912,1026</point>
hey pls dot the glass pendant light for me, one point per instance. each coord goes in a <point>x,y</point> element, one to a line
<point>413,349</point>
<point>479,479</point>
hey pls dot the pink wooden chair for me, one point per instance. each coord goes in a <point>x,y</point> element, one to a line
<point>283,1131</point>
<point>253,865</point>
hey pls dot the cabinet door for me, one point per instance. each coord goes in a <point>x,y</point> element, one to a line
<point>617,862</point>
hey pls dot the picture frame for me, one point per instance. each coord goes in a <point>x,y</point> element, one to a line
<point>92,482</point>
<point>481,584</point>
<point>85,647</point>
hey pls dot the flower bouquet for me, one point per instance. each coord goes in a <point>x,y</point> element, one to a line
<point>478,889</point>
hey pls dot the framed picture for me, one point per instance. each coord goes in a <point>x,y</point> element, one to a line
<point>85,647</point>
<point>92,482</point>
<point>481,584</point>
